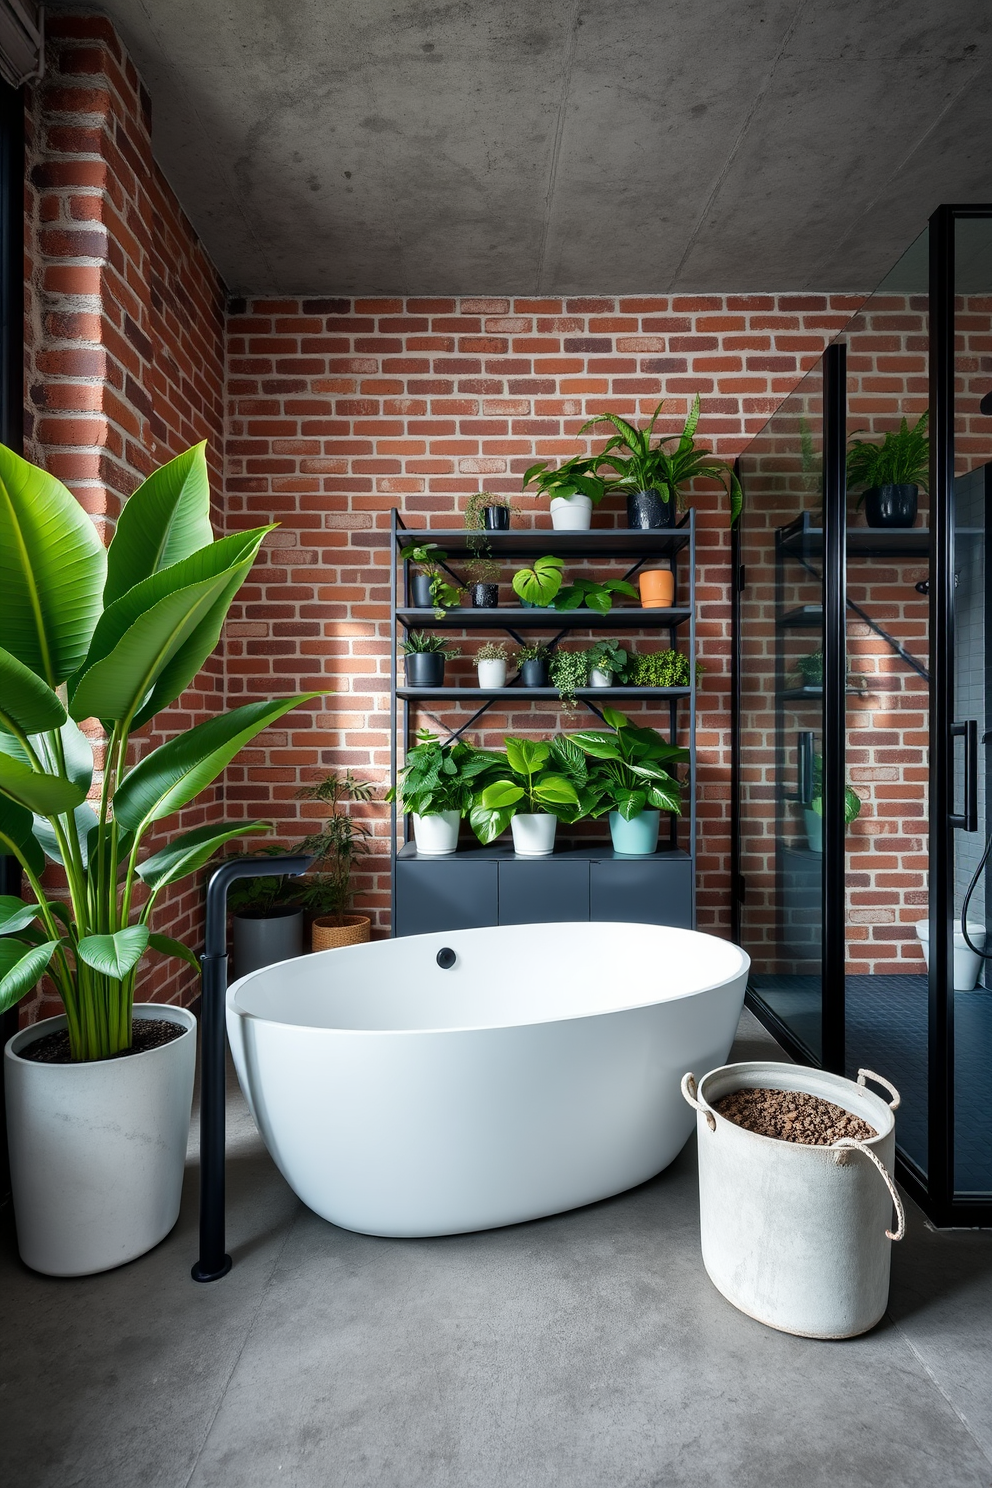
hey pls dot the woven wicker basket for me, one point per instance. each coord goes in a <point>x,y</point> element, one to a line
<point>328,933</point>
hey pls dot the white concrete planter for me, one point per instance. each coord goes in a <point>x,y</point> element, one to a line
<point>436,836</point>
<point>571,513</point>
<point>97,1150</point>
<point>598,678</point>
<point>492,673</point>
<point>533,833</point>
<point>966,964</point>
<point>797,1237</point>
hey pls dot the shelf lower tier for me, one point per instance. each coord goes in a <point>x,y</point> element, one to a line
<point>469,694</point>
<point>507,617</point>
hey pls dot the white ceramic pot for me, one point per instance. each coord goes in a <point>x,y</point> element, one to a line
<point>97,1150</point>
<point>492,673</point>
<point>533,833</point>
<point>599,678</point>
<point>437,835</point>
<point>797,1237</point>
<point>571,513</point>
<point>966,964</point>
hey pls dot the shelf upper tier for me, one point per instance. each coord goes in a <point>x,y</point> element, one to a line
<point>468,693</point>
<point>533,542</point>
<point>508,617</point>
<point>867,542</point>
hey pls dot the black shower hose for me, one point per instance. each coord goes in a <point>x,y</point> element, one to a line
<point>985,955</point>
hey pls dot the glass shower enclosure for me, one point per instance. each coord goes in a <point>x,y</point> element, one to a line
<point>862,734</point>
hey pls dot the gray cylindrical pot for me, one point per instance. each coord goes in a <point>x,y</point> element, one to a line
<point>646,509</point>
<point>260,940</point>
<point>424,668</point>
<point>420,588</point>
<point>97,1150</point>
<point>485,596</point>
<point>891,506</point>
<point>497,518</point>
<point>534,673</point>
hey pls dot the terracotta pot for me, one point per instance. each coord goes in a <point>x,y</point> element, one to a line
<point>329,931</point>
<point>657,586</point>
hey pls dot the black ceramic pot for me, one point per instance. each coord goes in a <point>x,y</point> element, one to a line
<point>497,518</point>
<point>891,506</point>
<point>534,673</point>
<point>647,509</point>
<point>420,585</point>
<point>424,669</point>
<point>485,596</point>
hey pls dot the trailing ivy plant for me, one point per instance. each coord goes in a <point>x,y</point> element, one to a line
<point>568,671</point>
<point>430,559</point>
<point>475,521</point>
<point>115,634</point>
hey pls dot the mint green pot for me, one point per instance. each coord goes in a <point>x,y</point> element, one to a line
<point>639,836</point>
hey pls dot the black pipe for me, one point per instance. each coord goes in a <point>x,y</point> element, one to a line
<point>213,1262</point>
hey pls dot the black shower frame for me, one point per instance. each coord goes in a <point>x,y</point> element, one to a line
<point>934,1191</point>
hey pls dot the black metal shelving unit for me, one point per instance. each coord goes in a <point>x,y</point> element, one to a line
<point>581,881</point>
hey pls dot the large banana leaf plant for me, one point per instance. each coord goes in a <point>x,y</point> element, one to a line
<point>114,634</point>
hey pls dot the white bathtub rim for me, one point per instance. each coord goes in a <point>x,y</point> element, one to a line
<point>311,1028</point>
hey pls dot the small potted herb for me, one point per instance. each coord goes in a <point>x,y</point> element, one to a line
<point>437,786</point>
<point>529,794</point>
<point>335,849</point>
<point>659,669</point>
<point>574,489</point>
<point>891,473</point>
<point>424,657</point>
<point>267,920</point>
<point>538,586</point>
<point>429,587</point>
<point>606,660</point>
<point>484,575</point>
<point>487,512</point>
<point>629,770</point>
<point>533,664</point>
<point>569,670</point>
<point>491,660</point>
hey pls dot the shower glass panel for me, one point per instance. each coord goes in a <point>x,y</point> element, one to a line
<point>972,994</point>
<point>781,715</point>
<point>887,705</point>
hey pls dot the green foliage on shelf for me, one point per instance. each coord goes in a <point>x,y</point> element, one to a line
<point>440,777</point>
<point>608,656</point>
<point>629,767</point>
<point>475,508</point>
<point>537,651</point>
<point>658,669</point>
<point>529,778</point>
<point>569,670</point>
<point>594,594</point>
<point>419,642</point>
<point>493,651</point>
<point>852,801</point>
<point>577,476</point>
<point>902,459</point>
<point>540,584</point>
<point>429,558</point>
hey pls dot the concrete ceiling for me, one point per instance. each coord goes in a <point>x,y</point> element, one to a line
<point>563,146</point>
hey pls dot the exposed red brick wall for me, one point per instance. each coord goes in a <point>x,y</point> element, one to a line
<point>124,333</point>
<point>340,409</point>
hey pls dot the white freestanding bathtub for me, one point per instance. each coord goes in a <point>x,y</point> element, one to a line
<point>538,1072</point>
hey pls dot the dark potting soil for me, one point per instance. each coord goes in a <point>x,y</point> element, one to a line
<point>147,1033</point>
<point>793,1116</point>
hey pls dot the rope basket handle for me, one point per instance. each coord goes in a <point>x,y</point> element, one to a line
<point>893,1191</point>
<point>689,1092</point>
<point>864,1074</point>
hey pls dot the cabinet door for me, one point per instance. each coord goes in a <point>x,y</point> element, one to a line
<point>448,895</point>
<point>543,892</point>
<point>647,891</point>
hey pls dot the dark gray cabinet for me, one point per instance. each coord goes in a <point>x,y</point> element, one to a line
<point>492,886</point>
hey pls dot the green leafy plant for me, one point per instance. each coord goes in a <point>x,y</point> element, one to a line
<point>576,476</point>
<point>629,772</point>
<point>537,651</point>
<point>419,642</point>
<point>540,584</point>
<point>429,558</point>
<point>493,651</point>
<point>569,670</point>
<point>647,467</point>
<point>595,595</point>
<point>902,459</point>
<point>526,781</point>
<point>608,656</point>
<point>852,801</point>
<point>263,895</point>
<point>658,669</point>
<point>475,508</point>
<point>440,777</point>
<point>115,634</point>
<point>336,848</point>
<point>810,668</point>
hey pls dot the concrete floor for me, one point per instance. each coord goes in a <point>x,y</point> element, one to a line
<point>584,1351</point>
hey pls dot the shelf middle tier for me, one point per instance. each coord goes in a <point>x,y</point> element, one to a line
<point>506,618</point>
<point>468,694</point>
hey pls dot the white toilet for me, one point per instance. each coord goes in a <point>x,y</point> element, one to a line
<point>966,964</point>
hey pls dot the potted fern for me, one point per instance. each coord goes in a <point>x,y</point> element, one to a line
<point>891,473</point>
<point>99,1098</point>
